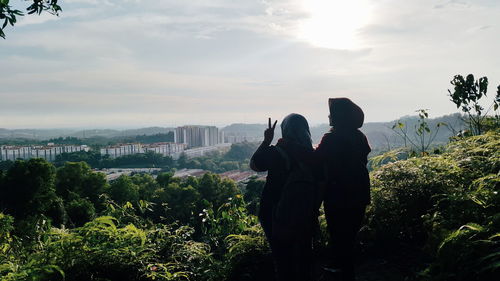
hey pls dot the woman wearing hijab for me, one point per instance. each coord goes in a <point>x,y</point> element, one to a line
<point>291,249</point>
<point>343,152</point>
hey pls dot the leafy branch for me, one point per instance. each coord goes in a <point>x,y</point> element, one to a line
<point>466,95</point>
<point>9,15</point>
<point>423,135</point>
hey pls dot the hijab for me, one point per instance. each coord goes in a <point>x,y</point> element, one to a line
<point>345,114</point>
<point>295,129</point>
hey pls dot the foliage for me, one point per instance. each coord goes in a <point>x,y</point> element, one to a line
<point>96,160</point>
<point>5,165</point>
<point>181,200</point>
<point>466,95</point>
<point>80,211</point>
<point>404,191</point>
<point>69,223</point>
<point>240,151</point>
<point>249,256</point>
<point>472,252</point>
<point>230,218</point>
<point>423,135</point>
<point>100,250</point>
<point>124,190</point>
<point>124,244</point>
<point>27,189</point>
<point>216,190</point>
<point>92,158</point>
<point>8,15</point>
<point>253,192</point>
<point>78,179</point>
<point>66,141</point>
<point>446,205</point>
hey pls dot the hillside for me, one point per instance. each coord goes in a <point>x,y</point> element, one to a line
<point>45,134</point>
<point>379,134</point>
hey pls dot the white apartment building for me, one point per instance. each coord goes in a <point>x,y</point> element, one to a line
<point>173,150</point>
<point>240,138</point>
<point>164,148</point>
<point>120,150</point>
<point>201,151</point>
<point>48,152</point>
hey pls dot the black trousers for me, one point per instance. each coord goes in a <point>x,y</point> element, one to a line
<point>292,254</point>
<point>343,225</point>
<point>293,261</point>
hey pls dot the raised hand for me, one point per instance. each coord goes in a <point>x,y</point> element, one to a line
<point>269,132</point>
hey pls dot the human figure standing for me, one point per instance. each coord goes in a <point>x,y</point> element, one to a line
<point>291,246</point>
<point>343,152</point>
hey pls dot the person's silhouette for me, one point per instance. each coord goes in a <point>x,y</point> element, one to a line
<point>280,210</point>
<point>343,153</point>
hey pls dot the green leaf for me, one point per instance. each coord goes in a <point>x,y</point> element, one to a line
<point>12,20</point>
<point>494,236</point>
<point>491,267</point>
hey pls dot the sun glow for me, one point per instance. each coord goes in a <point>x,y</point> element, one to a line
<point>334,24</point>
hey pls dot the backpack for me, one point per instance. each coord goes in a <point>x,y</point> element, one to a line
<point>296,209</point>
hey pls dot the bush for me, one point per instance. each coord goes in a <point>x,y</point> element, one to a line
<point>405,191</point>
<point>471,253</point>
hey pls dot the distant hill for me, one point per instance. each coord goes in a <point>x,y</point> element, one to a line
<point>37,134</point>
<point>240,129</point>
<point>45,134</point>
<point>379,134</point>
<point>110,133</point>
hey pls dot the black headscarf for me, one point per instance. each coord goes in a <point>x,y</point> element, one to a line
<point>345,114</point>
<point>295,129</point>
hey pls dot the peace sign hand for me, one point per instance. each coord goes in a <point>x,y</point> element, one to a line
<point>269,132</point>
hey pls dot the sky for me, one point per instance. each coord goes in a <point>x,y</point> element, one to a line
<point>137,63</point>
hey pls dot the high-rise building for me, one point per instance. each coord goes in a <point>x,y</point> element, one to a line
<point>197,136</point>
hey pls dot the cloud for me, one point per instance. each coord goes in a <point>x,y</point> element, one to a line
<point>199,61</point>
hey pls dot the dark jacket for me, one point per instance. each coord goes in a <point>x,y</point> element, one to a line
<point>343,154</point>
<point>267,158</point>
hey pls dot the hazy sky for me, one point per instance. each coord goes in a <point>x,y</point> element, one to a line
<point>133,63</point>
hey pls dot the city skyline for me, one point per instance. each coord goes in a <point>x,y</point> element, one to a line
<point>107,63</point>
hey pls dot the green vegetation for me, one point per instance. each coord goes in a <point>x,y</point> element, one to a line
<point>423,135</point>
<point>467,94</point>
<point>435,215</point>
<point>237,158</point>
<point>433,204</point>
<point>69,223</point>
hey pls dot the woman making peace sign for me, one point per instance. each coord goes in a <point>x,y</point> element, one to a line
<point>291,249</point>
